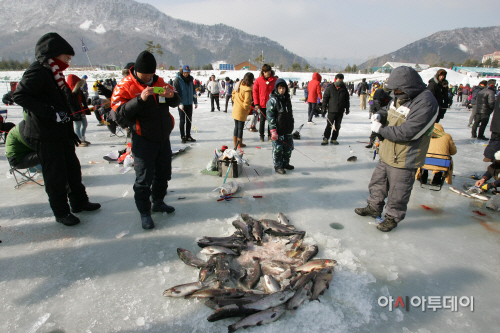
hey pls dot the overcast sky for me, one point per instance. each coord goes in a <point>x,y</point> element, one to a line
<point>337,29</point>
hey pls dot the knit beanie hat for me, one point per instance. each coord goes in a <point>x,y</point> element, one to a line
<point>145,63</point>
<point>492,82</point>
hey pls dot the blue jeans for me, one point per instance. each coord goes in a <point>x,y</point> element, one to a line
<point>81,127</point>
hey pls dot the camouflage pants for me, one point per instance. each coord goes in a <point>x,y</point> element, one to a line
<point>282,150</point>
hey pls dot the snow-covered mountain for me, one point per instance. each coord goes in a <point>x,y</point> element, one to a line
<point>115,31</point>
<point>450,45</point>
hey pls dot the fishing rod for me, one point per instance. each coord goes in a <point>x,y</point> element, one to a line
<point>298,151</point>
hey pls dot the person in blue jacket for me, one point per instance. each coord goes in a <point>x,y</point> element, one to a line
<point>229,92</point>
<point>184,85</point>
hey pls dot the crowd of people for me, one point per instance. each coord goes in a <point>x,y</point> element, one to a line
<point>404,111</point>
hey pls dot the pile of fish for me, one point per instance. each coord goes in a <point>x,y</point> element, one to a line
<point>257,273</point>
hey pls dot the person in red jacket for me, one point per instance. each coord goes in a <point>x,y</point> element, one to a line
<point>314,91</point>
<point>147,114</point>
<point>262,88</point>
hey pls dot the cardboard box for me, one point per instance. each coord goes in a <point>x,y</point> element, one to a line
<point>223,165</point>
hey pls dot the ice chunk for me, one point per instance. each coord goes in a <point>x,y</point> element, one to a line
<point>141,322</point>
<point>392,276</point>
<point>123,233</point>
<point>39,323</point>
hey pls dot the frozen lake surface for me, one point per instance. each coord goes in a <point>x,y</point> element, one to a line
<point>107,274</point>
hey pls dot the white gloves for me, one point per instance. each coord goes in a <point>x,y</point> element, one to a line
<point>376,117</point>
<point>181,106</point>
<point>376,126</point>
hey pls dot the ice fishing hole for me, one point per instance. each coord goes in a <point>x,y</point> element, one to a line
<point>306,173</point>
<point>336,226</point>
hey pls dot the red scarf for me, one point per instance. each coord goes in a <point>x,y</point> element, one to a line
<point>58,67</point>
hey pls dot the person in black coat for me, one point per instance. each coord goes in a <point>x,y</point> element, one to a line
<point>336,101</point>
<point>484,108</point>
<point>44,95</point>
<point>440,93</point>
<point>147,112</point>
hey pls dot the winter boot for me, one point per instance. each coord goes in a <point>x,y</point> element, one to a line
<point>281,171</point>
<point>367,211</point>
<point>324,142</point>
<point>334,142</point>
<point>261,139</point>
<point>241,144</point>
<point>424,175</point>
<point>289,167</point>
<point>87,207</point>
<point>85,140</point>
<point>235,142</point>
<point>190,138</point>
<point>388,224</point>
<point>437,179</point>
<point>147,221</point>
<point>183,139</point>
<point>68,220</point>
<point>160,206</point>
<point>83,144</point>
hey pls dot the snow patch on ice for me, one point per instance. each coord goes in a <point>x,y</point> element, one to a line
<point>463,47</point>
<point>100,29</point>
<point>86,25</point>
<point>383,316</point>
<point>137,29</point>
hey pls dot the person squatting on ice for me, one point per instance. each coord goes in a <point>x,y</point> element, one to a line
<point>242,97</point>
<point>184,86</point>
<point>149,118</point>
<point>44,94</point>
<point>493,171</point>
<point>441,144</point>
<point>281,122</point>
<point>336,101</point>
<point>406,134</point>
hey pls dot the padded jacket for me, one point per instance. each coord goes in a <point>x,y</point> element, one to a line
<point>150,119</point>
<point>485,101</point>
<point>262,88</point>
<point>40,96</point>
